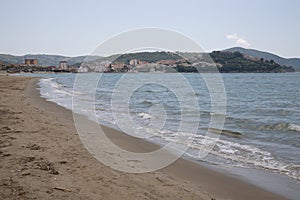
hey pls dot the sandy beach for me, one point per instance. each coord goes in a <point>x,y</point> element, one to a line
<point>42,157</point>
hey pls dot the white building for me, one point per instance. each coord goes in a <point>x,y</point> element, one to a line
<point>134,62</point>
<point>63,65</point>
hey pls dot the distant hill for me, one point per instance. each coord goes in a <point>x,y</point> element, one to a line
<point>148,56</point>
<point>227,62</point>
<point>236,62</point>
<point>45,60</point>
<point>294,62</point>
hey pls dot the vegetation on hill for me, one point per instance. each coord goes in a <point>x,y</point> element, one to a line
<point>147,56</point>
<point>227,62</point>
<point>237,62</point>
<point>294,62</point>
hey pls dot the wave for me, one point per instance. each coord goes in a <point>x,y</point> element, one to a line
<point>144,115</point>
<point>146,102</point>
<point>226,132</point>
<point>51,83</point>
<point>280,127</point>
<point>231,153</point>
<point>52,87</point>
<point>56,92</point>
<point>294,127</point>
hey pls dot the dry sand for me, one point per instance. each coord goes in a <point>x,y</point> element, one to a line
<point>42,158</point>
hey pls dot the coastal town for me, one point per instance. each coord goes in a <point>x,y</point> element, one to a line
<point>143,62</point>
<point>32,65</point>
<point>134,65</point>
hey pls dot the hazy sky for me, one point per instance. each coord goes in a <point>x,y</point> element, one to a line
<point>77,27</point>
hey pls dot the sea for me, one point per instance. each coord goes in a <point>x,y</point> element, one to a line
<point>261,131</point>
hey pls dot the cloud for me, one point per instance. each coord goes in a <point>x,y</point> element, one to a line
<point>232,36</point>
<point>243,42</point>
<point>238,40</point>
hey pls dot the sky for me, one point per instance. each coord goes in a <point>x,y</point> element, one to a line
<point>74,27</point>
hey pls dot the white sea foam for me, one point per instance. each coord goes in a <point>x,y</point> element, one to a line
<point>234,153</point>
<point>144,115</point>
<point>55,92</point>
<point>294,127</point>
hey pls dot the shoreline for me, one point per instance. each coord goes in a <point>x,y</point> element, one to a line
<point>51,130</point>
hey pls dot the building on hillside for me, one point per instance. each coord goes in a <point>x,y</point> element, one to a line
<point>120,67</point>
<point>134,62</point>
<point>31,62</point>
<point>63,65</point>
<point>142,62</point>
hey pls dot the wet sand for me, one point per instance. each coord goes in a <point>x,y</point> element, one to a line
<point>42,157</point>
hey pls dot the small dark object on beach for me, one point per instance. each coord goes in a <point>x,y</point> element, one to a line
<point>33,147</point>
<point>47,166</point>
<point>62,189</point>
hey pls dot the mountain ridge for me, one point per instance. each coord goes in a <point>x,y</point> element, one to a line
<point>45,59</point>
<point>294,62</point>
<point>53,60</point>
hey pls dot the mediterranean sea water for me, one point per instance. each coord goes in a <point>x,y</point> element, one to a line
<point>262,119</point>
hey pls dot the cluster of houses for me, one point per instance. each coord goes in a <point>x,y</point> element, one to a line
<point>134,65</point>
<point>63,67</point>
<point>31,65</point>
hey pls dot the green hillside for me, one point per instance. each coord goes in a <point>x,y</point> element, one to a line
<point>147,56</point>
<point>237,62</point>
<point>294,62</point>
